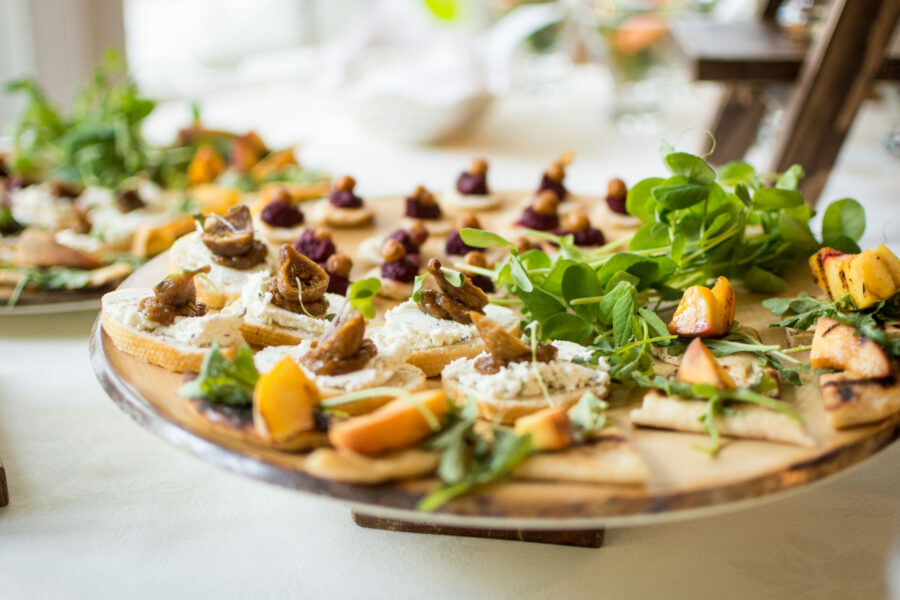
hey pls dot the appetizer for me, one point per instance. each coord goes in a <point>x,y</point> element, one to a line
<point>316,245</point>
<point>280,221</point>
<point>616,200</point>
<point>398,271</point>
<point>344,208</point>
<point>228,245</point>
<point>512,379</point>
<point>577,224</point>
<point>472,191</point>
<point>344,360</point>
<point>455,246</point>
<point>553,179</point>
<point>422,208</point>
<point>288,307</point>
<point>542,215</point>
<point>412,239</point>
<point>436,326</point>
<point>687,407</point>
<point>166,325</point>
<point>338,267</point>
<point>479,260</point>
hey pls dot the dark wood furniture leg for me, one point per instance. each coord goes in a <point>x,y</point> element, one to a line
<point>4,491</point>
<point>736,124</point>
<point>582,539</point>
<point>833,83</point>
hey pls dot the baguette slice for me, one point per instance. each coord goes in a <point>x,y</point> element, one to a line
<point>433,360</point>
<point>852,399</point>
<point>747,421</point>
<point>151,346</point>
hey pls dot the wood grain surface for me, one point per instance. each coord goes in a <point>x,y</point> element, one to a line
<point>684,481</point>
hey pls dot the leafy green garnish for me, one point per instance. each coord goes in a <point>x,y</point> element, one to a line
<point>470,459</point>
<point>223,380</point>
<point>361,293</point>
<point>588,416</point>
<point>48,278</point>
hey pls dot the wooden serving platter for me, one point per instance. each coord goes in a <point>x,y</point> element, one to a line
<point>684,482</point>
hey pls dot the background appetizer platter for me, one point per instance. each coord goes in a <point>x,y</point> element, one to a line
<point>643,453</point>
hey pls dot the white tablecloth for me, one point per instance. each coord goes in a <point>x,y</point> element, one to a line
<point>101,508</point>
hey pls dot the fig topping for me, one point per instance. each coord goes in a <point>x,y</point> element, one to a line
<point>504,347</point>
<point>448,301</point>
<point>300,284</point>
<point>175,296</point>
<point>129,200</point>
<point>343,349</point>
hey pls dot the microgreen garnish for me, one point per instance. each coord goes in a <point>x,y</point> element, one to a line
<point>361,293</point>
<point>47,278</point>
<point>223,380</point>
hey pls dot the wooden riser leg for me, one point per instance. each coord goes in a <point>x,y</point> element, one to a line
<point>736,124</point>
<point>583,539</point>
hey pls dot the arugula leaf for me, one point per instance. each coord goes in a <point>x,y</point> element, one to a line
<point>478,238</point>
<point>224,381</point>
<point>680,195</point>
<point>361,293</point>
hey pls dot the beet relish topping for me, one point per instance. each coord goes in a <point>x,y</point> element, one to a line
<point>554,177</point>
<point>616,195</point>
<point>411,239</point>
<point>315,245</point>
<point>478,259</point>
<point>338,267</point>
<point>281,210</point>
<point>342,196</point>
<point>541,215</point>
<point>455,246</point>
<point>579,226</point>
<point>474,181</point>
<point>397,266</point>
<point>422,205</point>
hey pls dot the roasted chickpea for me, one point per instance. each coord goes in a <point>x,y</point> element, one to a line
<point>476,259</point>
<point>616,188</point>
<point>468,220</point>
<point>418,233</point>
<point>322,234</point>
<point>339,264</point>
<point>576,221</point>
<point>479,167</point>
<point>345,183</point>
<point>392,250</point>
<point>546,203</point>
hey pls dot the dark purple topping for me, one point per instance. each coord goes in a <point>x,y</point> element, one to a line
<point>405,239</point>
<point>337,284</point>
<point>538,222</point>
<point>416,209</point>
<point>314,248</point>
<point>617,204</point>
<point>456,246</point>
<point>344,199</point>
<point>470,184</point>
<point>553,185</point>
<point>403,270</point>
<point>279,213</point>
<point>484,282</point>
<point>585,237</point>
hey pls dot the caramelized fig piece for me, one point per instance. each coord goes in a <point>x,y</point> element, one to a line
<point>66,189</point>
<point>175,296</point>
<point>129,200</point>
<point>343,349</point>
<point>505,347</point>
<point>468,293</point>
<point>294,267</point>
<point>230,234</point>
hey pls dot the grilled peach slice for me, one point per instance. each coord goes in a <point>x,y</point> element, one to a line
<point>550,429</point>
<point>868,277</point>
<point>698,365</point>
<point>883,254</point>
<point>398,424</point>
<point>206,166</point>
<point>705,312</point>
<point>283,402</point>
<point>837,346</point>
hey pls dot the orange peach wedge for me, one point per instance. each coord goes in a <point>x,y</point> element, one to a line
<point>283,402</point>
<point>837,346</point>
<point>400,423</point>
<point>705,312</point>
<point>698,365</point>
<point>550,429</point>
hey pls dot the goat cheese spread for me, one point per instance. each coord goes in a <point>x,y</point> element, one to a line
<point>378,371</point>
<point>408,326</point>
<point>224,328</point>
<point>117,228</point>
<point>190,253</point>
<point>471,201</point>
<point>256,301</point>
<point>518,379</point>
<point>36,206</point>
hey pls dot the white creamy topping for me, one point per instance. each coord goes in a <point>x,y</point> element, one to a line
<point>376,372</point>
<point>277,235</point>
<point>190,253</point>
<point>224,328</point>
<point>256,299</point>
<point>35,206</point>
<point>518,379</point>
<point>474,201</point>
<point>406,325</point>
<point>79,241</point>
<point>117,228</point>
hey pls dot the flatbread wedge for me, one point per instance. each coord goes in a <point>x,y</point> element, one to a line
<point>349,467</point>
<point>850,399</point>
<point>746,421</point>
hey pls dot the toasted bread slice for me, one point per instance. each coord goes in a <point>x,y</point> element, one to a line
<point>609,458</point>
<point>433,360</point>
<point>852,399</point>
<point>152,346</point>
<point>746,421</point>
<point>349,467</point>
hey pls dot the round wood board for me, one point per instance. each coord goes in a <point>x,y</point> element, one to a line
<point>46,303</point>
<point>684,482</point>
